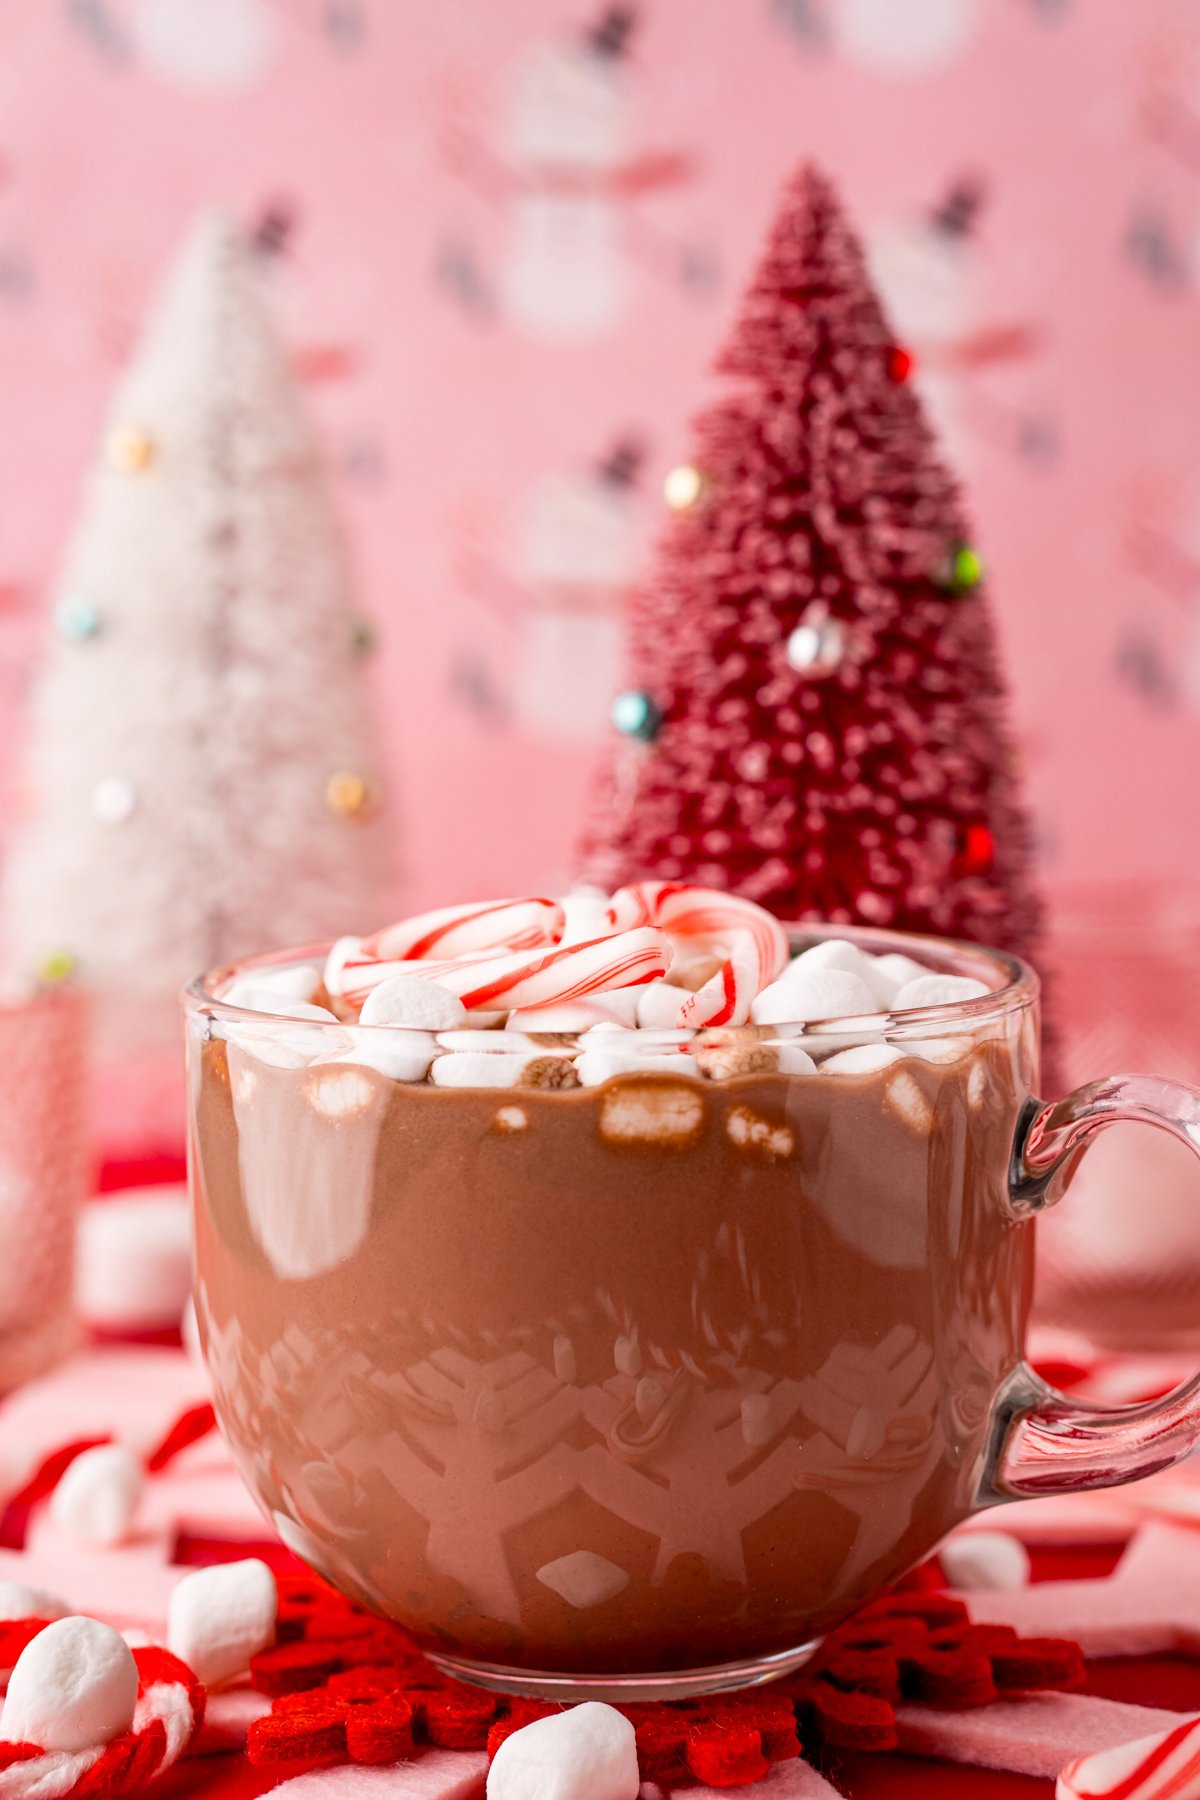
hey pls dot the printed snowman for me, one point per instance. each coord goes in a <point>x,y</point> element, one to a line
<point>575,557</point>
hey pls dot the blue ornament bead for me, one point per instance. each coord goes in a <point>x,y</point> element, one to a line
<point>635,715</point>
<point>76,617</point>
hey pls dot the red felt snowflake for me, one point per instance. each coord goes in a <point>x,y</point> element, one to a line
<point>346,1685</point>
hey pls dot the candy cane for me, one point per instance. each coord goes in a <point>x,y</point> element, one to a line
<point>624,960</point>
<point>452,931</point>
<point>351,975</point>
<point>1163,1767</point>
<point>756,941</point>
<point>725,998</point>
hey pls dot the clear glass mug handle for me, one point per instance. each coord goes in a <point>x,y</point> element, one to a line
<point>1046,1442</point>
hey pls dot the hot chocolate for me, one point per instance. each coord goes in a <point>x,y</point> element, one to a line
<point>613,1367</point>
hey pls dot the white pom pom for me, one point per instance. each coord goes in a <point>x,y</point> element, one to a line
<point>97,1498</point>
<point>588,1753</point>
<point>222,1616</point>
<point>74,1686</point>
<point>20,1602</point>
<point>983,1560</point>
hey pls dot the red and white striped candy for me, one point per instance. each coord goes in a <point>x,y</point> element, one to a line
<point>725,998</point>
<point>356,974</point>
<point>1163,1767</point>
<point>726,921</point>
<point>453,931</point>
<point>624,960</point>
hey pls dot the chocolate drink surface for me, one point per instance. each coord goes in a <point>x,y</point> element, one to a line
<point>655,1375</point>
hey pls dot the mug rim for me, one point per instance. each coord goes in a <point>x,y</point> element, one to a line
<point>1020,986</point>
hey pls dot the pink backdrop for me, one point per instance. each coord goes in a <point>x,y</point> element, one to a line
<point>505,241</point>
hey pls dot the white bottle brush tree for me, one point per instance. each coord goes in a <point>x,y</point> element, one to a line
<point>200,778</point>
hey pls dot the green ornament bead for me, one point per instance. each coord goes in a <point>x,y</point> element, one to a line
<point>75,616</point>
<point>635,715</point>
<point>965,569</point>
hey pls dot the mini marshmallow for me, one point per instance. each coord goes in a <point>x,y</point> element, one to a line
<point>488,1043</point>
<point>935,1050</point>
<point>658,1005</point>
<point>833,953</point>
<point>298,981</point>
<point>812,994</point>
<point>221,1616</point>
<point>985,1560</point>
<point>400,1055</point>
<point>133,1264</point>
<point>645,1112</point>
<point>75,1685</point>
<point>937,990</point>
<point>585,916</point>
<point>597,1066</point>
<point>263,1000</point>
<point>861,1059</point>
<point>586,1753</point>
<point>886,975</point>
<point>412,1000</point>
<point>20,1602</point>
<point>480,1069</point>
<point>97,1497</point>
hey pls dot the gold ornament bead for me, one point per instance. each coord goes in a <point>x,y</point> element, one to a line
<point>347,794</point>
<point>684,487</point>
<point>129,449</point>
<point>56,965</point>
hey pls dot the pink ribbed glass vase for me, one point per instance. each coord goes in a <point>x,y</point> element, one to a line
<point>43,1176</point>
<point>1119,1260</point>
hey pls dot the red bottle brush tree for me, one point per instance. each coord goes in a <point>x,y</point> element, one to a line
<point>815,713</point>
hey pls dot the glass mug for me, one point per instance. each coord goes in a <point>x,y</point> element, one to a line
<point>634,1390</point>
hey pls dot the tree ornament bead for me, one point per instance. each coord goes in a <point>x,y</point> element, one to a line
<point>56,966</point>
<point>684,487</point>
<point>76,616</point>
<point>901,363</point>
<point>635,715</point>
<point>977,851</point>
<point>363,637</point>
<point>816,647</point>
<point>114,800</point>
<point>348,794</point>
<point>129,449</point>
<point>963,569</point>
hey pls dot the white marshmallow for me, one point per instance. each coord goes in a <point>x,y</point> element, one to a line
<point>802,994</point>
<point>658,1004</point>
<point>297,981</point>
<point>886,975</point>
<point>279,1006</point>
<point>338,1090</point>
<point>586,917</point>
<point>652,1112</point>
<point>401,1055</point>
<point>985,1560</point>
<point>97,1498</point>
<point>937,990</point>
<point>587,1753</point>
<point>861,1059</point>
<point>487,1043</point>
<point>74,1686</point>
<point>133,1264</point>
<point>20,1602</point>
<point>833,953</point>
<point>935,1050</point>
<point>412,1000</point>
<point>280,1047</point>
<point>793,1060</point>
<point>480,1068</point>
<point>905,1098</point>
<point>221,1616</point>
<point>599,1065</point>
